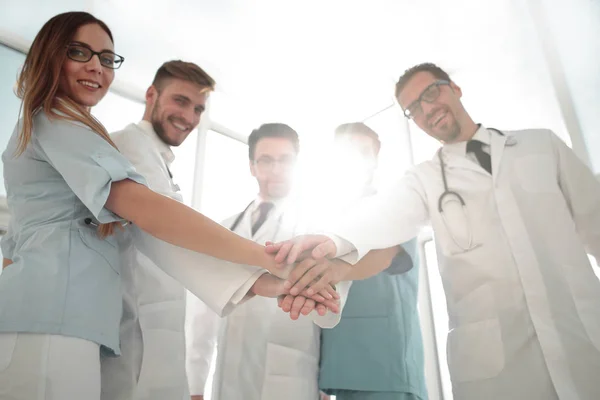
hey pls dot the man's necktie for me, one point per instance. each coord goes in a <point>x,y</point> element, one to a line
<point>476,147</point>
<point>263,209</point>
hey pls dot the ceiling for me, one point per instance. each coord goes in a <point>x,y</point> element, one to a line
<point>313,64</point>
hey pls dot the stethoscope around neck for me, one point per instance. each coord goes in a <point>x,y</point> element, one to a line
<point>450,194</point>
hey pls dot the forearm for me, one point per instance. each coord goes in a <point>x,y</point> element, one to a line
<point>384,220</point>
<point>373,263</point>
<point>219,284</point>
<point>175,223</point>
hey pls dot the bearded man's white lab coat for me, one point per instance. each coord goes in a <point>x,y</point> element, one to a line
<point>152,364</point>
<point>523,302</point>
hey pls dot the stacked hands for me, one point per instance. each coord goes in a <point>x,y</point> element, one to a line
<point>304,275</point>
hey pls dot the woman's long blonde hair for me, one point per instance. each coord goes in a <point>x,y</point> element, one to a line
<point>38,82</point>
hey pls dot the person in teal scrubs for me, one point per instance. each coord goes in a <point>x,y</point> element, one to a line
<point>376,351</point>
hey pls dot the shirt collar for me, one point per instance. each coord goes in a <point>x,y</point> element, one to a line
<point>279,204</point>
<point>483,135</point>
<point>460,148</point>
<point>163,148</point>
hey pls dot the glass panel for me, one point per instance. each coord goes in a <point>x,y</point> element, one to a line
<point>239,117</point>
<point>211,375</point>
<point>423,146</point>
<point>574,28</point>
<point>227,186</point>
<point>395,154</point>
<point>116,112</point>
<point>184,166</point>
<point>26,18</point>
<point>9,103</point>
<point>594,265</point>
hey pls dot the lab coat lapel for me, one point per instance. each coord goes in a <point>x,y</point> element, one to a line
<point>265,233</point>
<point>269,229</point>
<point>497,145</point>
<point>244,228</point>
<point>455,161</point>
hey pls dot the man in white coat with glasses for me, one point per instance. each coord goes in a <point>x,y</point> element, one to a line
<point>514,216</point>
<point>262,354</point>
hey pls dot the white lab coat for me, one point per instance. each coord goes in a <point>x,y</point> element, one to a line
<point>524,306</point>
<point>152,365</point>
<point>262,354</point>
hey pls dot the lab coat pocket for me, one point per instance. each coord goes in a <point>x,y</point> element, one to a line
<point>163,356</point>
<point>475,351</point>
<point>537,174</point>
<point>290,371</point>
<point>8,342</point>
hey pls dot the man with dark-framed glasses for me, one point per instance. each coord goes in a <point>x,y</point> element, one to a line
<point>514,216</point>
<point>262,353</point>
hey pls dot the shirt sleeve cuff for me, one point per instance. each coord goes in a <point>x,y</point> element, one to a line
<point>243,293</point>
<point>345,250</point>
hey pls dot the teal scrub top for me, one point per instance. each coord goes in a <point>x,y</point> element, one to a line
<point>377,346</point>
